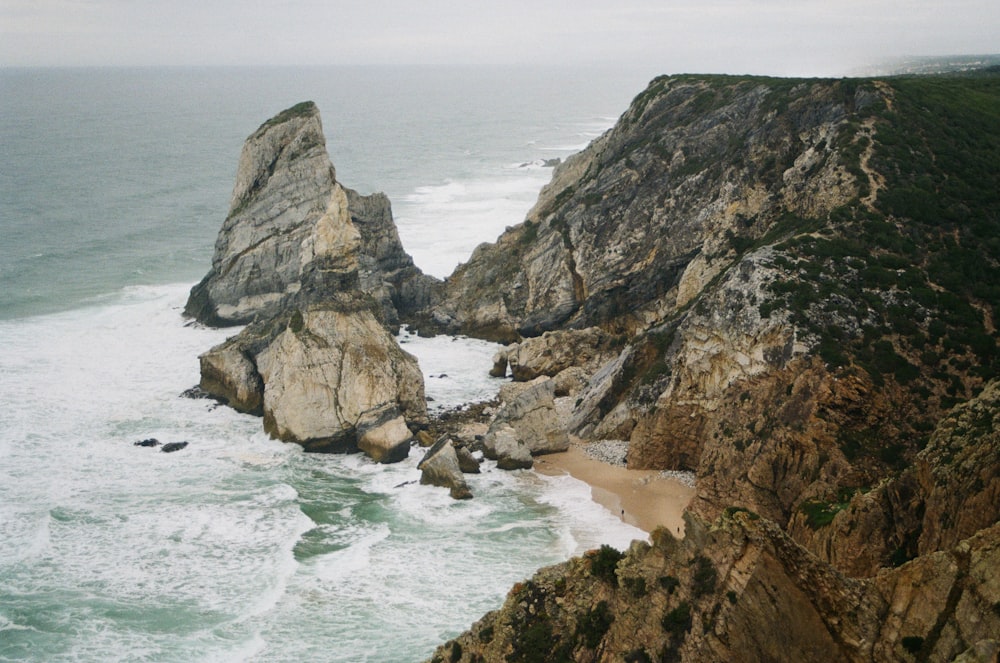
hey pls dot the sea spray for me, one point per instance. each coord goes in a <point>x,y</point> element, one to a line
<point>238,546</point>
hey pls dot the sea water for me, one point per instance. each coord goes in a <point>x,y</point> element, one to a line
<point>239,547</point>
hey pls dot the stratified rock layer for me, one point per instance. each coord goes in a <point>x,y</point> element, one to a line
<point>294,235</point>
<point>741,590</point>
<point>321,273</point>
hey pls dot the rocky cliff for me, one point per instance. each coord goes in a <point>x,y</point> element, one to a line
<point>795,284</point>
<point>796,277</point>
<point>291,225</point>
<point>319,272</point>
<point>739,589</point>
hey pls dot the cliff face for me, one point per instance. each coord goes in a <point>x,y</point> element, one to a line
<point>291,226</point>
<point>740,589</point>
<point>319,271</point>
<point>634,226</point>
<point>797,278</point>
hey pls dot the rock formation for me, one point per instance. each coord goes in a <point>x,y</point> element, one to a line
<point>775,313</point>
<point>739,589</point>
<point>441,467</point>
<point>319,272</point>
<point>796,284</point>
<point>294,235</point>
<point>527,424</point>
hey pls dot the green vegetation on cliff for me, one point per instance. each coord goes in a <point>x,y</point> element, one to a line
<point>803,279</point>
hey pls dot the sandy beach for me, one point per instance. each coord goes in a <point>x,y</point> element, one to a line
<point>642,498</point>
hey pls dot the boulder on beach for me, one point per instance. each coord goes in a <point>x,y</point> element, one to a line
<point>532,415</point>
<point>502,445</point>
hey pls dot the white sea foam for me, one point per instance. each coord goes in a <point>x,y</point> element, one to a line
<point>456,369</point>
<point>441,224</point>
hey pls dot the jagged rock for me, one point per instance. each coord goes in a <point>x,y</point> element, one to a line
<point>499,369</point>
<point>386,271</point>
<point>148,442</point>
<point>502,445</point>
<point>950,492</point>
<point>984,651</point>
<point>171,447</point>
<point>571,381</point>
<point>770,252</point>
<point>440,467</point>
<point>532,416</point>
<point>740,589</point>
<point>554,352</point>
<point>321,271</point>
<point>286,210</point>
<point>383,435</point>
<point>230,375</point>
<point>466,461</point>
<point>323,372</point>
<point>424,438</point>
<point>294,234</point>
<point>591,407</point>
<point>611,237</point>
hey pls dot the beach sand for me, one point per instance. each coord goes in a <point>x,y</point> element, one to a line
<point>641,498</point>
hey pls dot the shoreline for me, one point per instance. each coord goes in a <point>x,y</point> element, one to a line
<point>642,498</point>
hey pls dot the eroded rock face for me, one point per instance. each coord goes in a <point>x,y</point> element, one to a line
<point>554,352</point>
<point>949,493</point>
<point>639,222</point>
<point>286,210</point>
<point>741,590</point>
<point>294,234</point>
<point>440,467</point>
<point>532,415</point>
<point>321,272</point>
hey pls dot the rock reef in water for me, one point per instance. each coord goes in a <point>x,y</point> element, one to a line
<point>318,272</point>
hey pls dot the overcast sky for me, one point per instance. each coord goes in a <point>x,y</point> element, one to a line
<point>785,37</point>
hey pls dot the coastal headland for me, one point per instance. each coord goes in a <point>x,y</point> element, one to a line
<point>785,287</point>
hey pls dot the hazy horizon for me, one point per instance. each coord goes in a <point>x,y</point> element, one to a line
<point>776,37</point>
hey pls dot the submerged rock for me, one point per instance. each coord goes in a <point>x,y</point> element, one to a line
<point>170,447</point>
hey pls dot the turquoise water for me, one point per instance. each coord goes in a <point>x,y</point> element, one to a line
<point>241,548</point>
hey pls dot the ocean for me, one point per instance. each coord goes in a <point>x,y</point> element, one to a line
<point>113,186</point>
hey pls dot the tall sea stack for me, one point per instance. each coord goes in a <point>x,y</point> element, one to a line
<point>318,274</point>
